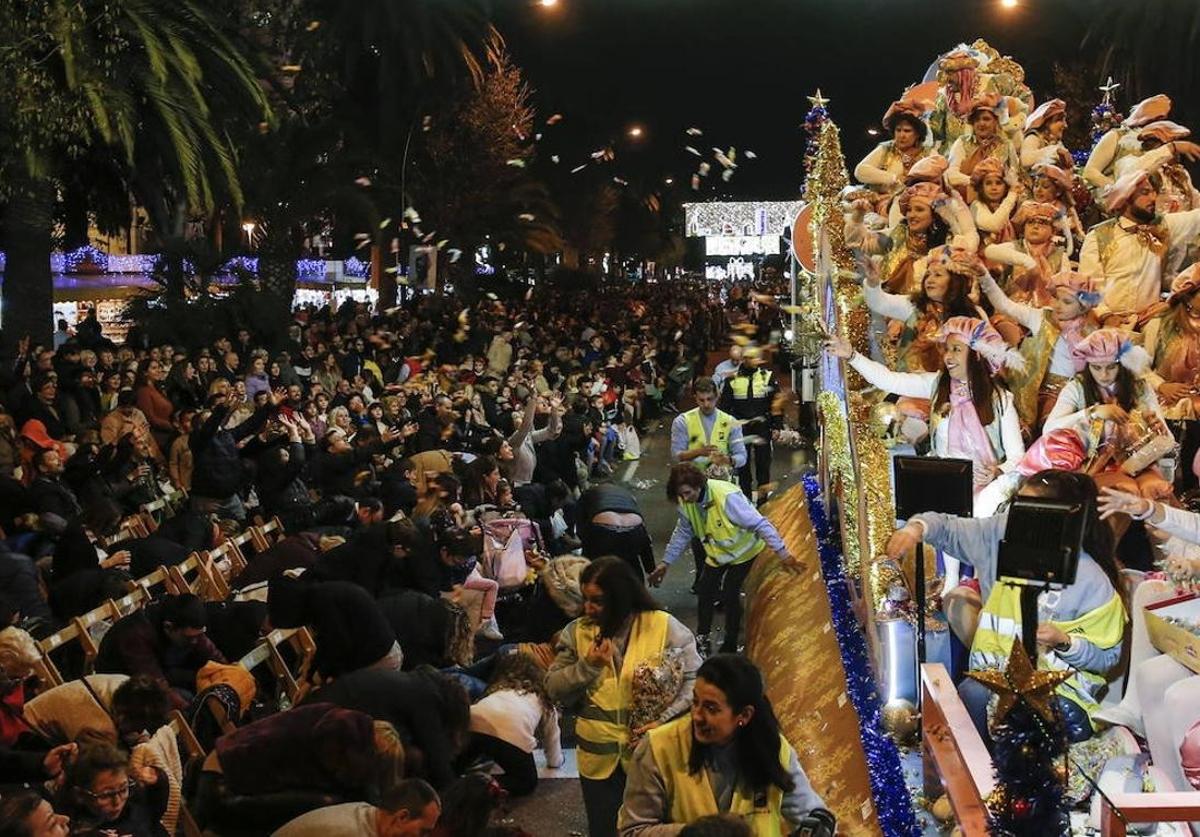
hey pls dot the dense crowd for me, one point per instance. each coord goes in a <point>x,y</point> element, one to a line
<point>445,530</point>
<point>1041,319</point>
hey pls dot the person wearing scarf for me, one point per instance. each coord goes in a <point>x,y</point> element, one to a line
<point>928,218</point>
<point>1097,403</point>
<point>1122,141</point>
<point>945,291</point>
<point>995,198</point>
<point>1133,250</point>
<point>1054,330</point>
<point>886,168</point>
<point>1055,186</point>
<point>1163,142</point>
<point>972,416</point>
<point>986,139</point>
<point>1025,265</point>
<point>1043,137</point>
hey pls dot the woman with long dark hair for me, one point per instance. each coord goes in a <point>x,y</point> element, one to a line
<point>1080,627</point>
<point>1098,405</point>
<point>727,756</point>
<point>622,628</point>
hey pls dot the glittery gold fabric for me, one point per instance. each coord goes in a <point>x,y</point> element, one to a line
<point>790,636</point>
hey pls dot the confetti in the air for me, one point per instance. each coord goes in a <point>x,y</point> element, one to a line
<point>727,175</point>
<point>385,223</point>
<point>555,119</point>
<point>554,159</point>
<point>362,181</point>
<point>750,155</point>
<point>291,68</point>
<point>525,216</point>
<point>691,150</point>
<point>620,181</point>
<point>455,254</point>
<point>694,132</point>
<point>313,25</point>
<point>517,163</point>
<point>411,214</point>
<point>578,169</point>
<point>695,181</point>
<point>704,169</point>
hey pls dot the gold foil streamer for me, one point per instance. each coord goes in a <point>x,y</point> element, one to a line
<point>790,636</point>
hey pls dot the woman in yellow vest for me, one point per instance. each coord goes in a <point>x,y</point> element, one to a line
<point>732,533</point>
<point>621,627</point>
<point>726,757</point>
<point>1080,627</point>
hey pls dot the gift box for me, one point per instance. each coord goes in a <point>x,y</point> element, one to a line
<point>1172,626</point>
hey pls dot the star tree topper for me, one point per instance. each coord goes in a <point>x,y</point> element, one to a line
<point>818,101</point>
<point>1021,681</point>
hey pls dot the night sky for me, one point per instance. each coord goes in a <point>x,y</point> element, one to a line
<point>741,71</point>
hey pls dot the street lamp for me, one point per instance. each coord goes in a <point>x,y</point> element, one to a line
<point>248,228</point>
<point>548,3</point>
<point>1008,4</point>
<point>636,132</point>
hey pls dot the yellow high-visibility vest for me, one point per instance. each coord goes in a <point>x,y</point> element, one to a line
<point>691,795</point>
<point>1000,626</point>
<point>724,542</point>
<point>721,432</point>
<point>602,726</point>
<point>756,385</point>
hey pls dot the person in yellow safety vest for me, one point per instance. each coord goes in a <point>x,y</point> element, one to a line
<point>748,396</point>
<point>1080,627</point>
<point>622,627</point>
<point>726,757</point>
<point>733,534</point>
<point>706,436</point>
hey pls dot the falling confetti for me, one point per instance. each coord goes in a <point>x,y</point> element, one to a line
<point>695,181</point>
<point>694,132</point>
<point>704,169</point>
<point>525,216</point>
<point>517,163</point>
<point>363,181</point>
<point>537,137</point>
<point>385,223</point>
<point>555,119</point>
<point>750,155</point>
<point>313,25</point>
<point>291,68</point>
<point>578,169</point>
<point>620,181</point>
<point>727,175</point>
<point>361,236</point>
<point>691,150</point>
<point>411,214</point>
<point>441,244</point>
<point>554,159</point>
<point>455,254</point>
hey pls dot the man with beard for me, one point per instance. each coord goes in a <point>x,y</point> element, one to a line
<point>1137,248</point>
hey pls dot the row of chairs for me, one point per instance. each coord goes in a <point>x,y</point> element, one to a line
<point>205,574</point>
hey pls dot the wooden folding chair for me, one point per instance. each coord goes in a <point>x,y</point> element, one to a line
<point>300,640</point>
<point>131,527</point>
<point>225,562</point>
<point>205,582</point>
<point>267,535</point>
<point>54,643</point>
<point>151,582</point>
<point>192,755</point>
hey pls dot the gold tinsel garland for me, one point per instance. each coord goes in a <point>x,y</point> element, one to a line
<point>857,457</point>
<point>842,476</point>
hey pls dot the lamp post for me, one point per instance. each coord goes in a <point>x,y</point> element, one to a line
<point>248,227</point>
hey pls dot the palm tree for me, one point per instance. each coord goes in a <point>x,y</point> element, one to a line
<point>1149,45</point>
<point>155,81</point>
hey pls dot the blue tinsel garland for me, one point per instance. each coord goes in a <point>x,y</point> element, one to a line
<point>892,802</point>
